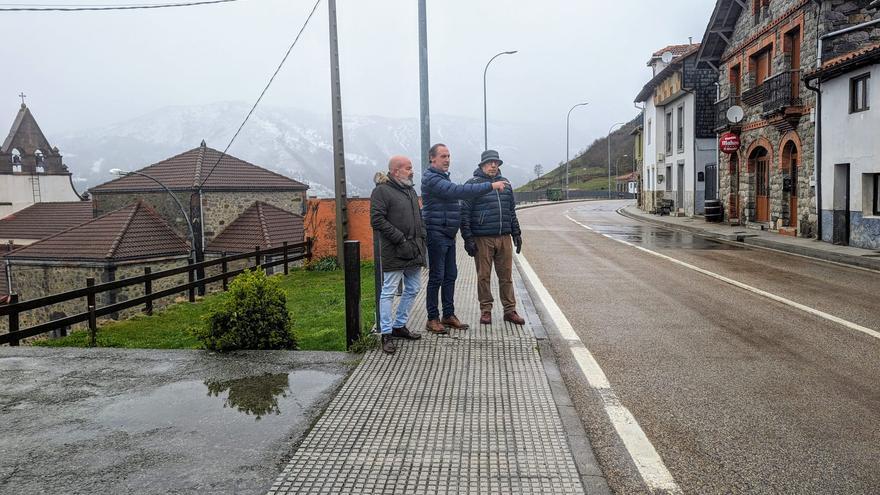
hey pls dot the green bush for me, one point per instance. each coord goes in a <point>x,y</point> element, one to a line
<point>325,264</point>
<point>252,316</point>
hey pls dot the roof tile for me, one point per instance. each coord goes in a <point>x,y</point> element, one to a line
<point>41,220</point>
<point>135,231</point>
<point>190,168</point>
<point>261,225</point>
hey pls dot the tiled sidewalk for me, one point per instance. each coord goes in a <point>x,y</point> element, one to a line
<point>471,412</point>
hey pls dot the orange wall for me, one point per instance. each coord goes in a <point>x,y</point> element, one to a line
<point>320,223</point>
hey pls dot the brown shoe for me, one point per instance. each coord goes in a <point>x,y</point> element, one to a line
<point>514,318</point>
<point>435,327</point>
<point>454,322</point>
<point>486,318</point>
<point>404,333</point>
<point>388,345</point>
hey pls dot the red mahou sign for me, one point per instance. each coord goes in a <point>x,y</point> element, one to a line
<point>729,142</point>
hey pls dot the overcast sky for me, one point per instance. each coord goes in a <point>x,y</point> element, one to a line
<point>83,70</point>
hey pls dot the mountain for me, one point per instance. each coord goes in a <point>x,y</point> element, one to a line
<point>589,169</point>
<point>295,143</point>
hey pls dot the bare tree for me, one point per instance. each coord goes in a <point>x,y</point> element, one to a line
<point>539,171</point>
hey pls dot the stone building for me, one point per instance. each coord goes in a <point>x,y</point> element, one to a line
<point>638,135</point>
<point>679,150</point>
<point>31,170</point>
<point>760,49</point>
<point>213,191</point>
<point>114,246</point>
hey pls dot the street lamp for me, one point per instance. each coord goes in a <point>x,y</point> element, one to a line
<point>608,138</point>
<point>192,235</point>
<point>567,120</point>
<point>617,172</point>
<point>485,120</point>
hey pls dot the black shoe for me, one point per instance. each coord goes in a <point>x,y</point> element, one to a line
<point>404,333</point>
<point>388,345</point>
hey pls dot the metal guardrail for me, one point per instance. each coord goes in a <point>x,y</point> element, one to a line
<point>288,254</point>
<point>782,90</point>
<point>536,196</point>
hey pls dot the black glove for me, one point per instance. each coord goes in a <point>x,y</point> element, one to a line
<point>517,241</point>
<point>470,246</point>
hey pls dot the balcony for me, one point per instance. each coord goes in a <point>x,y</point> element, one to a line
<point>782,91</point>
<point>754,95</point>
<point>721,108</point>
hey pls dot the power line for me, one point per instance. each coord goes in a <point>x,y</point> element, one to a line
<point>271,79</point>
<point>86,7</point>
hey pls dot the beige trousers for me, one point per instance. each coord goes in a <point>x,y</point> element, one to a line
<point>497,250</point>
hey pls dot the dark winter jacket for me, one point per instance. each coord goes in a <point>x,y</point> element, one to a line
<point>492,214</point>
<point>440,197</point>
<point>395,217</point>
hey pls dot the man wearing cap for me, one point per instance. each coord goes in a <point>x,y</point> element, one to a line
<point>441,213</point>
<point>490,230</point>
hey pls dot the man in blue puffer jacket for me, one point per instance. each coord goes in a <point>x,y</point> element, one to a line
<point>488,225</point>
<point>441,213</point>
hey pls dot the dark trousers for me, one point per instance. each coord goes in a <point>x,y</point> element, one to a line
<point>442,272</point>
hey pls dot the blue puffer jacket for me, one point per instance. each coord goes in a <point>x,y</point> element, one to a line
<point>492,214</point>
<point>440,196</point>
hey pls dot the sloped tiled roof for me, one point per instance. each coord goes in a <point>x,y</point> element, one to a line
<point>41,220</point>
<point>190,168</point>
<point>676,50</point>
<point>661,76</point>
<point>261,225</point>
<point>135,231</point>
<point>843,63</point>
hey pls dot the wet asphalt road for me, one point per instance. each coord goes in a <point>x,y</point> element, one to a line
<point>738,393</point>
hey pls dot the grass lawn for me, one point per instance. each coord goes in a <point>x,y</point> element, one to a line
<point>315,299</point>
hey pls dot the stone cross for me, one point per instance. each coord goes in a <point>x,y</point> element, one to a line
<point>22,96</point>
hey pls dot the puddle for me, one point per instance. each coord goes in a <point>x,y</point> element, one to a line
<point>224,414</point>
<point>648,236</point>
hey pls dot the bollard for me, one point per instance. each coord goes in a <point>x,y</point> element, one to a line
<point>148,291</point>
<point>352,262</point>
<point>93,322</point>
<point>378,277</point>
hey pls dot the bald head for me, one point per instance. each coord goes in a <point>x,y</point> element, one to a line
<point>401,169</point>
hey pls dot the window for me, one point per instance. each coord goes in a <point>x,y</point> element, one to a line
<point>875,196</point>
<point>669,178</point>
<point>735,80</point>
<point>669,132</point>
<point>649,132</point>
<point>858,93</point>
<point>680,128</point>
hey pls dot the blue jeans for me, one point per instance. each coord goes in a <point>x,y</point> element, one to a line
<point>412,281</point>
<point>441,275</point>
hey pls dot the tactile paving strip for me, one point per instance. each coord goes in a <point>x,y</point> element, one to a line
<point>471,412</point>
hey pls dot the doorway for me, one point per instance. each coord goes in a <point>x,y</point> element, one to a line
<point>761,164</point>
<point>733,200</point>
<point>790,183</point>
<point>840,227</point>
<point>679,186</point>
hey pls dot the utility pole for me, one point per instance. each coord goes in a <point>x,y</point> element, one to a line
<point>423,83</point>
<point>338,148</point>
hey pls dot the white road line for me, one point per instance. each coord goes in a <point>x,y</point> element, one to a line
<point>644,456</point>
<point>754,290</point>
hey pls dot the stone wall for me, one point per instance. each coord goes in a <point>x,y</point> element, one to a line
<point>162,202</point>
<point>840,14</point>
<point>222,208</point>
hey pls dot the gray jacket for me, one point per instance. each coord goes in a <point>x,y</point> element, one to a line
<point>396,217</point>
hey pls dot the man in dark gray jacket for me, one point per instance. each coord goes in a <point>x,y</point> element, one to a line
<point>396,218</point>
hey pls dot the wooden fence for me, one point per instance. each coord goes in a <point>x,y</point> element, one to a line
<point>286,253</point>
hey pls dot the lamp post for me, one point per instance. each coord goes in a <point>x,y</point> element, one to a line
<point>192,235</point>
<point>485,120</point>
<point>617,173</point>
<point>567,121</point>
<point>608,138</point>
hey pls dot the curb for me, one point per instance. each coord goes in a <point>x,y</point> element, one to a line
<point>753,240</point>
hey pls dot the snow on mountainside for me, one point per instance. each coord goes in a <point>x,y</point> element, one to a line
<point>294,143</point>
